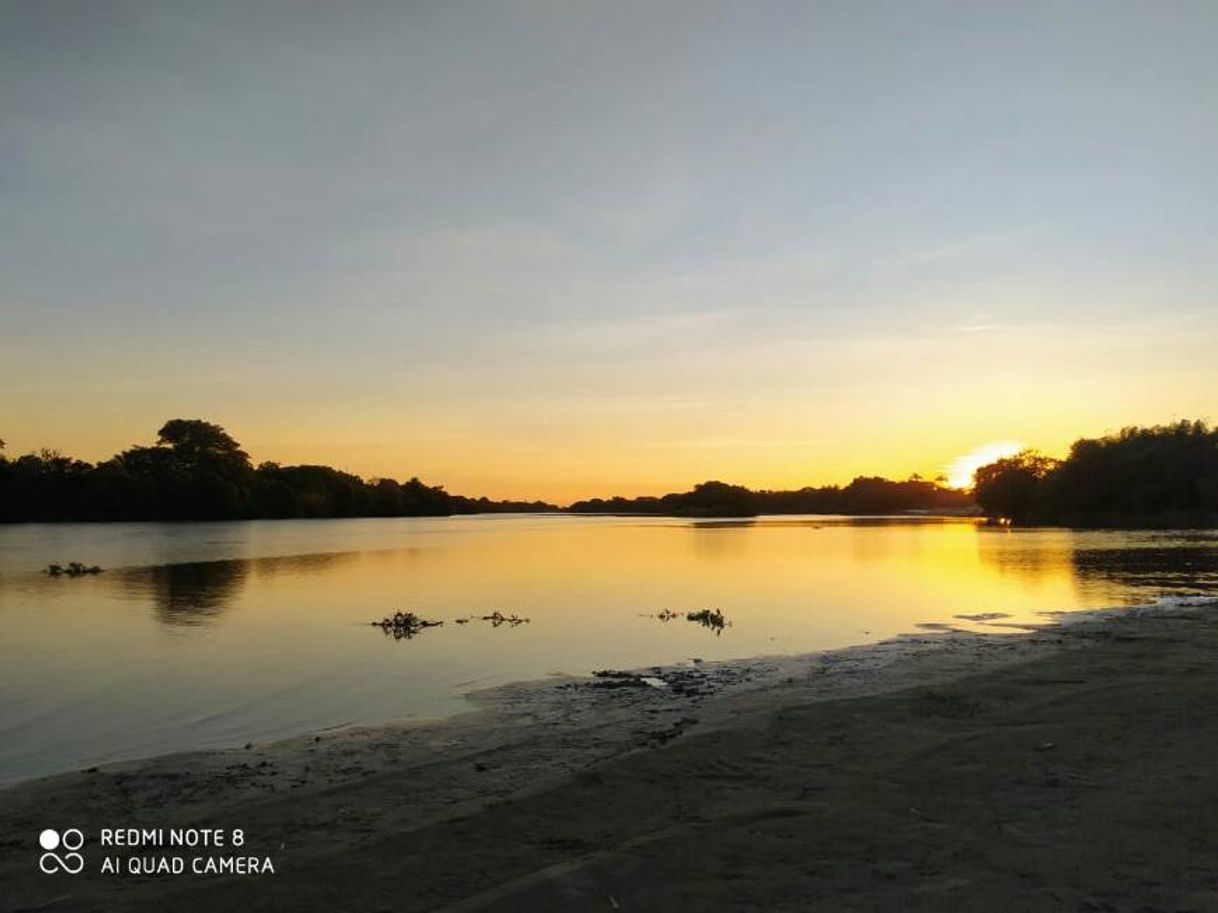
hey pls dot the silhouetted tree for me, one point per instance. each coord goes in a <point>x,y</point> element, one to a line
<point>1162,475</point>
<point>271,496</point>
<point>1012,487</point>
<point>862,496</point>
<point>1165,475</point>
<point>197,471</point>
<point>200,446</point>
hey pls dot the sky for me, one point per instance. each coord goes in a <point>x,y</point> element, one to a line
<point>562,250</point>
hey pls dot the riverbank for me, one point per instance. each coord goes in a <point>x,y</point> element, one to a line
<point>1065,768</point>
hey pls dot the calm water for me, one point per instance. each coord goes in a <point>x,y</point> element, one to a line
<point>203,635</point>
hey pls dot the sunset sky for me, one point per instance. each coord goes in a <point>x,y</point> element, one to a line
<point>555,249</point>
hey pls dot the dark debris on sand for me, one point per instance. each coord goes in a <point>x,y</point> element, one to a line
<point>681,682</point>
<point>661,692</point>
<point>71,569</point>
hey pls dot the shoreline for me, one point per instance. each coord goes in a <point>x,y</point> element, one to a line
<point>309,799</point>
<point>514,697</point>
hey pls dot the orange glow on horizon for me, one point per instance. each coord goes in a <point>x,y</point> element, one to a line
<point>960,470</point>
<point>506,451</point>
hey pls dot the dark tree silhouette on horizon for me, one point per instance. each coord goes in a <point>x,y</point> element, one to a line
<point>1160,476</point>
<point>1164,475</point>
<point>1011,487</point>
<point>196,470</point>
<point>200,446</point>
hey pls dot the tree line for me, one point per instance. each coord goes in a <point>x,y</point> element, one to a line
<point>864,495</point>
<point>197,471</point>
<point>1164,475</point>
<point>1159,476</point>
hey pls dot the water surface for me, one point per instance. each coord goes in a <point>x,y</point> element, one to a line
<point>212,634</point>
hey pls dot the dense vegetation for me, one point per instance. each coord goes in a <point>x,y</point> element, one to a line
<point>862,496</point>
<point>1160,476</point>
<point>196,471</point>
<point>1166,475</point>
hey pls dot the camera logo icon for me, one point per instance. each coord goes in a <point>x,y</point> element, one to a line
<point>69,861</point>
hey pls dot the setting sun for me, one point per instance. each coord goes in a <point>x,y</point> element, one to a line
<point>960,470</point>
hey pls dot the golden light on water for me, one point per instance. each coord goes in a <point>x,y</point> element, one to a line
<point>960,470</point>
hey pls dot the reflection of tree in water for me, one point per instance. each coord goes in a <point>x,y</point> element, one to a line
<point>718,539</point>
<point>1023,558</point>
<point>191,594</point>
<point>196,592</point>
<point>1184,567</point>
<point>1175,562</point>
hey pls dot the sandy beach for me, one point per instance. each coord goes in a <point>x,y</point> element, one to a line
<point>1065,768</point>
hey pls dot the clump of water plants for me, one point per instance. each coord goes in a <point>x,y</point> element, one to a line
<point>666,615</point>
<point>497,618</point>
<point>404,625</point>
<point>709,618</point>
<point>71,569</point>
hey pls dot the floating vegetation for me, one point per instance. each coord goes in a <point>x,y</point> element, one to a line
<point>405,625</point>
<point>71,569</point>
<point>408,624</point>
<point>497,618</point>
<point>709,618</point>
<point>665,616</point>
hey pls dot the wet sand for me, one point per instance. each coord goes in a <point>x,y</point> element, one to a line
<point>1070,768</point>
